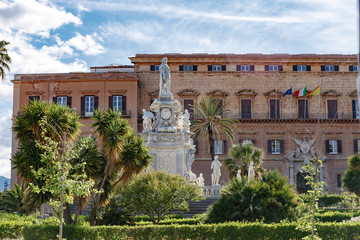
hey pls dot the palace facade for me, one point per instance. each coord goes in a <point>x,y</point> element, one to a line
<point>252,86</point>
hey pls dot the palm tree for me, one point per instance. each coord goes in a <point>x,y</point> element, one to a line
<point>5,59</point>
<point>208,120</point>
<point>13,200</point>
<point>124,152</point>
<point>240,157</point>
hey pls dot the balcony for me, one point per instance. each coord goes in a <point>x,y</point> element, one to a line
<point>125,114</point>
<point>290,116</point>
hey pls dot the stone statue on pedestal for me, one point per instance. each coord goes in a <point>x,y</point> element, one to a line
<point>216,167</point>
<point>147,120</point>
<point>238,174</point>
<point>186,121</point>
<point>165,81</point>
<point>200,181</point>
<point>251,173</point>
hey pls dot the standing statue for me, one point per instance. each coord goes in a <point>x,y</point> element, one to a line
<point>147,120</point>
<point>216,167</point>
<point>190,157</point>
<point>186,120</point>
<point>251,173</point>
<point>238,174</point>
<point>200,181</point>
<point>165,81</point>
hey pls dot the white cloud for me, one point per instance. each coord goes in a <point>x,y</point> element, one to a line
<point>5,144</point>
<point>6,91</point>
<point>87,44</point>
<point>34,17</point>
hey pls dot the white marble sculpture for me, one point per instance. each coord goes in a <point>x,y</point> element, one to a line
<point>216,167</point>
<point>147,120</point>
<point>238,174</point>
<point>251,173</point>
<point>186,121</point>
<point>165,81</point>
<point>304,147</point>
<point>200,181</point>
<point>190,158</point>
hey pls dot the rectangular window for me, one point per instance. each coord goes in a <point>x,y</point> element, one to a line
<point>301,68</point>
<point>246,141</point>
<point>333,146</point>
<point>154,68</point>
<point>117,103</point>
<point>338,180</point>
<point>245,68</point>
<point>329,68</point>
<point>353,68</point>
<point>356,145</point>
<point>273,68</point>
<point>275,146</point>
<point>303,109</point>
<point>32,98</point>
<point>216,68</point>
<point>274,108</point>
<point>219,147</point>
<point>355,109</point>
<point>188,104</point>
<point>245,108</point>
<point>332,109</point>
<point>89,105</point>
<point>62,101</point>
<point>187,68</point>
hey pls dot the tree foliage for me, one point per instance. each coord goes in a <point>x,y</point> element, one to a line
<point>14,199</point>
<point>270,198</point>
<point>156,193</point>
<point>240,157</point>
<point>5,59</point>
<point>352,175</point>
<point>208,119</point>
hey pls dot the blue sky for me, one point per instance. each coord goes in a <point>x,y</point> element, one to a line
<point>73,35</point>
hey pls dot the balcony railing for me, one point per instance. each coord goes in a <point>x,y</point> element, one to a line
<point>257,116</point>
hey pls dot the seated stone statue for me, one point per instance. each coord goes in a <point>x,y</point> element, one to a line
<point>200,181</point>
<point>147,120</point>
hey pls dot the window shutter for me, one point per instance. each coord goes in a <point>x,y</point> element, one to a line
<point>308,68</point>
<point>354,108</point>
<point>336,68</point>
<point>266,67</point>
<point>82,106</point>
<point>356,147</point>
<point>152,68</point>
<point>224,146</point>
<point>351,68</point>
<point>223,68</point>
<point>281,146</point>
<point>327,146</point>
<point>238,68</point>
<point>111,104</point>
<point>209,68</point>
<point>123,105</point>
<point>181,68</point>
<point>195,68</point>
<point>55,100</point>
<point>252,68</point>
<point>339,146</point>
<point>269,146</point>
<point>323,68</point>
<point>69,101</point>
<point>253,141</point>
<point>280,68</point>
<point>96,102</point>
<point>294,68</point>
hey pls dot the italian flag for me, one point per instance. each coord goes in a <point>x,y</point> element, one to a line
<point>300,93</point>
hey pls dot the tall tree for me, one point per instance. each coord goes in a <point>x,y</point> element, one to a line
<point>5,59</point>
<point>208,119</point>
<point>240,157</point>
<point>352,175</point>
<point>124,152</point>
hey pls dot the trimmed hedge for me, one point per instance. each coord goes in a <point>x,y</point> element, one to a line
<point>231,230</point>
<point>336,216</point>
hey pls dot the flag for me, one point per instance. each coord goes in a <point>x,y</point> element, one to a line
<point>314,92</point>
<point>300,93</point>
<point>288,92</point>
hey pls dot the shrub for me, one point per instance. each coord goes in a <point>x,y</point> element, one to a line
<point>232,230</point>
<point>155,194</point>
<point>327,200</point>
<point>271,198</point>
<point>352,175</point>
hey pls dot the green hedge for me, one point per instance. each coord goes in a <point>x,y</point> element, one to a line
<point>233,230</point>
<point>336,216</point>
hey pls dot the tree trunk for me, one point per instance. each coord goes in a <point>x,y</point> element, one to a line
<point>61,216</point>
<point>96,202</point>
<point>67,214</point>
<point>211,144</point>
